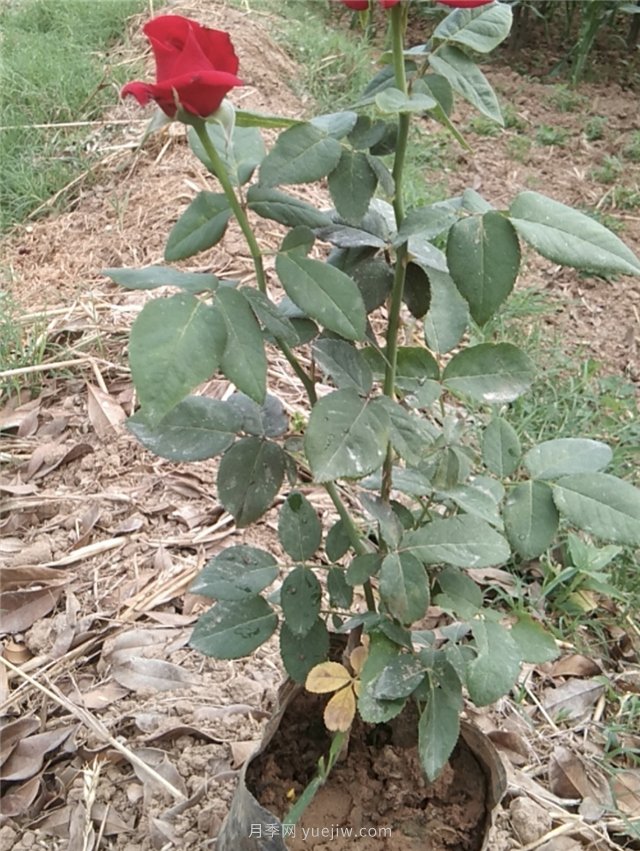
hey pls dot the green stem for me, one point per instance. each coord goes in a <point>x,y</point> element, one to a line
<point>398,23</point>
<point>220,172</point>
<point>238,210</point>
<point>355,538</point>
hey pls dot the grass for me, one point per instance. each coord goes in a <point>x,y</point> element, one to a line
<point>609,170</point>
<point>18,348</point>
<point>484,126</point>
<point>631,151</point>
<point>594,129</point>
<point>566,99</point>
<point>56,68</point>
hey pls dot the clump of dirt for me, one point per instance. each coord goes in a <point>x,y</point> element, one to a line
<point>379,794</point>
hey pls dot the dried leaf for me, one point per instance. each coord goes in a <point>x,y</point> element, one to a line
<point>105,414</point>
<point>212,713</point>
<point>570,776</point>
<point>14,732</point>
<point>182,730</point>
<point>241,751</point>
<point>572,699</point>
<point>13,578</point>
<point>327,677</point>
<point>17,800</point>
<point>28,756</point>
<point>104,814</point>
<point>140,673</point>
<point>358,658</point>
<point>50,456</point>
<point>341,710</point>
<point>100,696</point>
<point>162,834</point>
<point>513,744</point>
<point>575,665</point>
<point>626,790</point>
<point>159,761</point>
<point>21,609</point>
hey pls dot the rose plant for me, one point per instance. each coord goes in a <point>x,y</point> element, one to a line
<point>412,442</point>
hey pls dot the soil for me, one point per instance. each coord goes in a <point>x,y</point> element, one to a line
<point>100,541</point>
<point>377,793</point>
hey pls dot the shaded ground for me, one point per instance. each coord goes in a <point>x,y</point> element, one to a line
<point>100,541</point>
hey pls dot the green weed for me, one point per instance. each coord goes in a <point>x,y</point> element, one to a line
<point>484,126</point>
<point>594,128</point>
<point>608,172</point>
<point>566,99</point>
<point>631,151</point>
<point>19,347</point>
<point>547,135</point>
<point>512,120</point>
<point>519,148</point>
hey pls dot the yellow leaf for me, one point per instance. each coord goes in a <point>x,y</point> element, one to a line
<point>329,676</point>
<point>340,711</point>
<point>358,658</point>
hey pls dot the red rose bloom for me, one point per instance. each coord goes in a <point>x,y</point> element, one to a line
<point>464,4</point>
<point>195,67</point>
<point>356,5</point>
<point>387,4</point>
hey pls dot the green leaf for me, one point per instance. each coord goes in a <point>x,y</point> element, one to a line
<point>536,645</point>
<point>352,184</point>
<point>246,118</point>
<point>249,477</point>
<point>399,678</point>
<point>565,456</point>
<point>483,254</point>
<point>464,541</point>
<point>300,598</point>
<point>300,653</point>
<point>299,528</point>
<point>496,667</point>
<point>231,630</point>
<point>566,236</point>
<point>475,500</point>
<point>240,155</point>
<point>495,373</point>
<point>237,573</point>
<point>448,315</point>
<point>175,344</point>
<point>325,293</point>
<point>439,728</point>
<point>459,593</point>
<point>267,420</point>
<point>467,79</point>
<point>531,518</point>
<point>337,541</point>
<point>201,226</point>
<point>280,207</point>
<point>302,154</point>
<point>602,505</point>
<point>336,124</point>
<point>346,437</point>
<point>417,372</point>
<point>244,361</point>
<point>197,428</point>
<point>373,711</point>
<point>340,592</point>
<point>417,293</point>
<point>404,587</point>
<point>363,568</point>
<point>426,222</point>
<point>162,276</point>
<point>501,448</point>
<point>393,101</point>
<point>481,29</point>
<point>274,321</point>
<point>410,435</point>
<point>342,362</point>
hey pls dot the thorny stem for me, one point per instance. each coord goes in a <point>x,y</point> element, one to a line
<point>398,22</point>
<point>256,254</point>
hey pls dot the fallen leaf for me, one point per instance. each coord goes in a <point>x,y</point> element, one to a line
<point>27,757</point>
<point>241,751</point>
<point>211,713</point>
<point>513,744</point>
<point>178,730</point>
<point>159,761</point>
<point>14,732</point>
<point>570,776</point>
<point>104,814</point>
<point>21,609</point>
<point>575,665</point>
<point>626,791</point>
<point>15,577</point>
<point>49,456</point>
<point>99,697</point>
<point>140,673</point>
<point>105,414</point>
<point>162,834</point>
<point>572,699</point>
<point>17,800</point>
